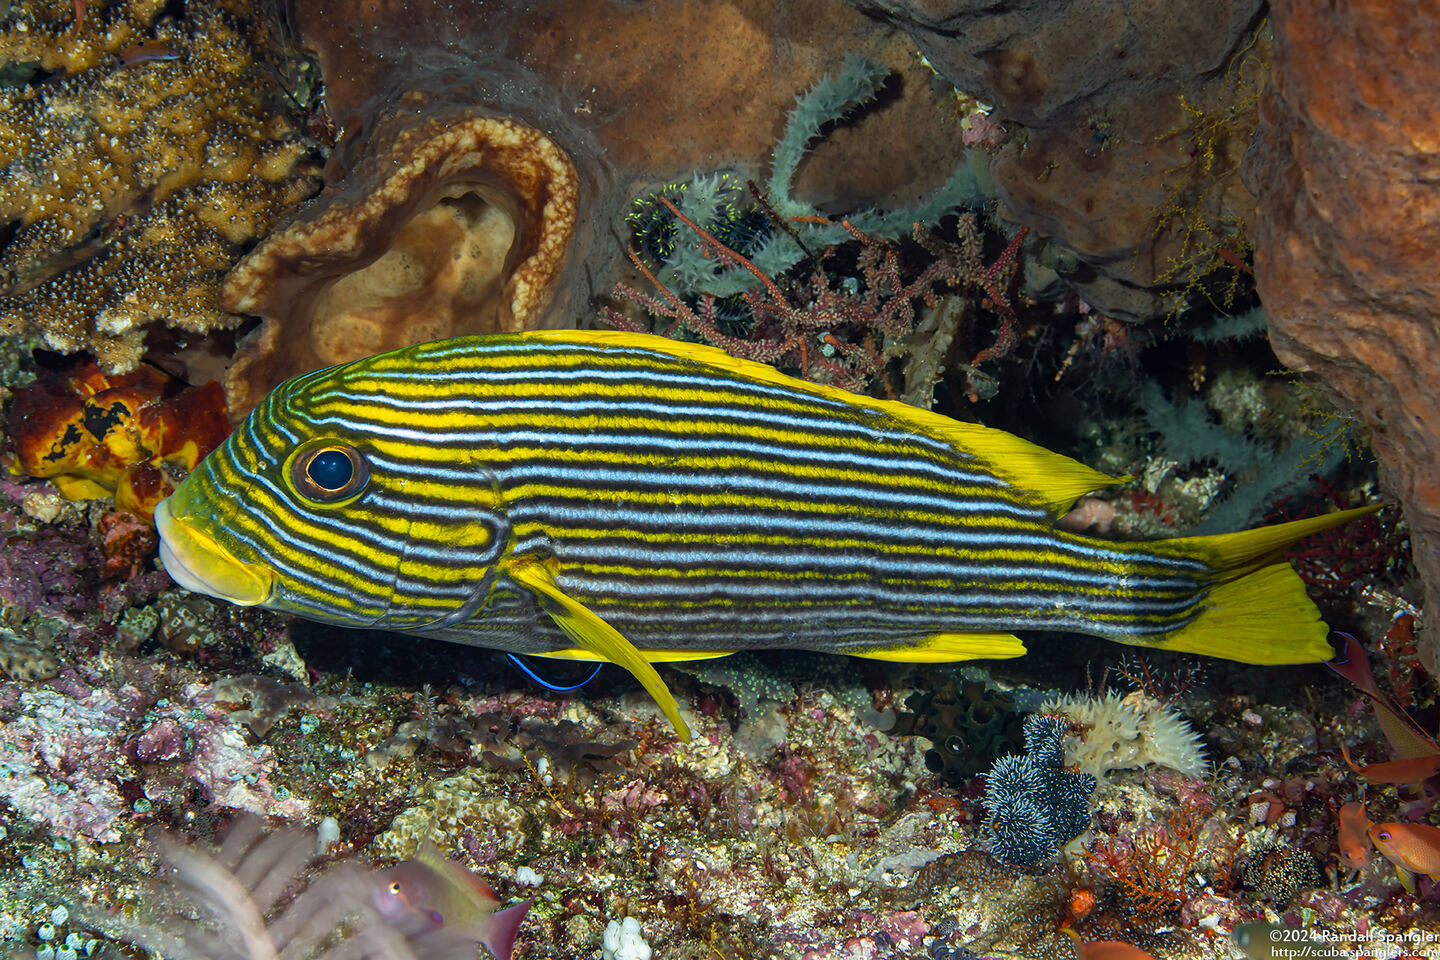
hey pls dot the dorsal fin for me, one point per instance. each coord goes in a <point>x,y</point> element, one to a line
<point>1056,480</point>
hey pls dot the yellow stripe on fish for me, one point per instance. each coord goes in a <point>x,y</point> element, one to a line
<point>624,497</point>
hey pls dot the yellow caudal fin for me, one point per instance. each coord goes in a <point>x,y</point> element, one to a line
<point>949,647</point>
<point>1265,617</point>
<point>1258,610</point>
<point>1052,479</point>
<point>1232,555</point>
<point>584,627</point>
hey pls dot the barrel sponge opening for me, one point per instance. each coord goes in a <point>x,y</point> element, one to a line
<point>451,221</point>
<point>1121,733</point>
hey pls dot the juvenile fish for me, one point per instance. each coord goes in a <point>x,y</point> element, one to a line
<point>627,498</point>
<point>432,894</point>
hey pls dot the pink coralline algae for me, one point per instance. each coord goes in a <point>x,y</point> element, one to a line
<point>55,762</point>
<point>66,750</point>
<point>48,571</point>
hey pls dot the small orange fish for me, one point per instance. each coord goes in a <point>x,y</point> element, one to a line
<point>1397,772</point>
<point>1412,847</point>
<point>1106,949</point>
<point>431,892</point>
<point>1354,848</point>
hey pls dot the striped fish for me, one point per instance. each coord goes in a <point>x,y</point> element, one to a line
<point>627,498</point>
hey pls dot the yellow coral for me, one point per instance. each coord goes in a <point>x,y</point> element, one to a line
<point>1206,208</point>
<point>136,176</point>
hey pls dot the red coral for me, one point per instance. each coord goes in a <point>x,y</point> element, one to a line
<point>834,335</point>
<point>1155,866</point>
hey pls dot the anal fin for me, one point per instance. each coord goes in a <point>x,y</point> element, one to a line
<point>656,655</point>
<point>949,647</point>
<point>591,633</point>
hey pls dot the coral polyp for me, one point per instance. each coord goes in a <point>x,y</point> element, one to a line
<point>138,173</point>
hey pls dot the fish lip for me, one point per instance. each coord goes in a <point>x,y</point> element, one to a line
<point>195,561</point>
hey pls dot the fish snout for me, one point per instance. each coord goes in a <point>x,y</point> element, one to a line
<point>196,561</point>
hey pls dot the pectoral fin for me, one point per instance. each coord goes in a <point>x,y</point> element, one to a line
<point>591,633</point>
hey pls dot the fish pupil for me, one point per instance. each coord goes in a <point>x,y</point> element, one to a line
<point>330,470</point>
<point>329,473</point>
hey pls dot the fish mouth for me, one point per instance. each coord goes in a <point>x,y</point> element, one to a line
<point>195,561</point>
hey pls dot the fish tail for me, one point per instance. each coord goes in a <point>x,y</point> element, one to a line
<point>1255,609</point>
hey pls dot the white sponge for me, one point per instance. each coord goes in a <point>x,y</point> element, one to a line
<point>623,941</point>
<point>1135,731</point>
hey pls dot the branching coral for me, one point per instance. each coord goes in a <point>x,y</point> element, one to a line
<point>1157,868</point>
<point>843,333</point>
<point>136,177</point>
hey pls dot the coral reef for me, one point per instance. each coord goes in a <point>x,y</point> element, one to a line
<point>1342,167</point>
<point>136,175</point>
<point>498,75</point>
<point>846,333</point>
<point>61,748</point>
<point>805,821</point>
<point>1033,804</point>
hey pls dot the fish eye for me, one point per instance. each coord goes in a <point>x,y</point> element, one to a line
<point>329,473</point>
<point>395,887</point>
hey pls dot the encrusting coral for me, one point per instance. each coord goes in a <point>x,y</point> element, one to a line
<point>136,176</point>
<point>132,435</point>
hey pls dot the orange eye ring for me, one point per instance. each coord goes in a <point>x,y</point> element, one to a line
<point>329,473</point>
